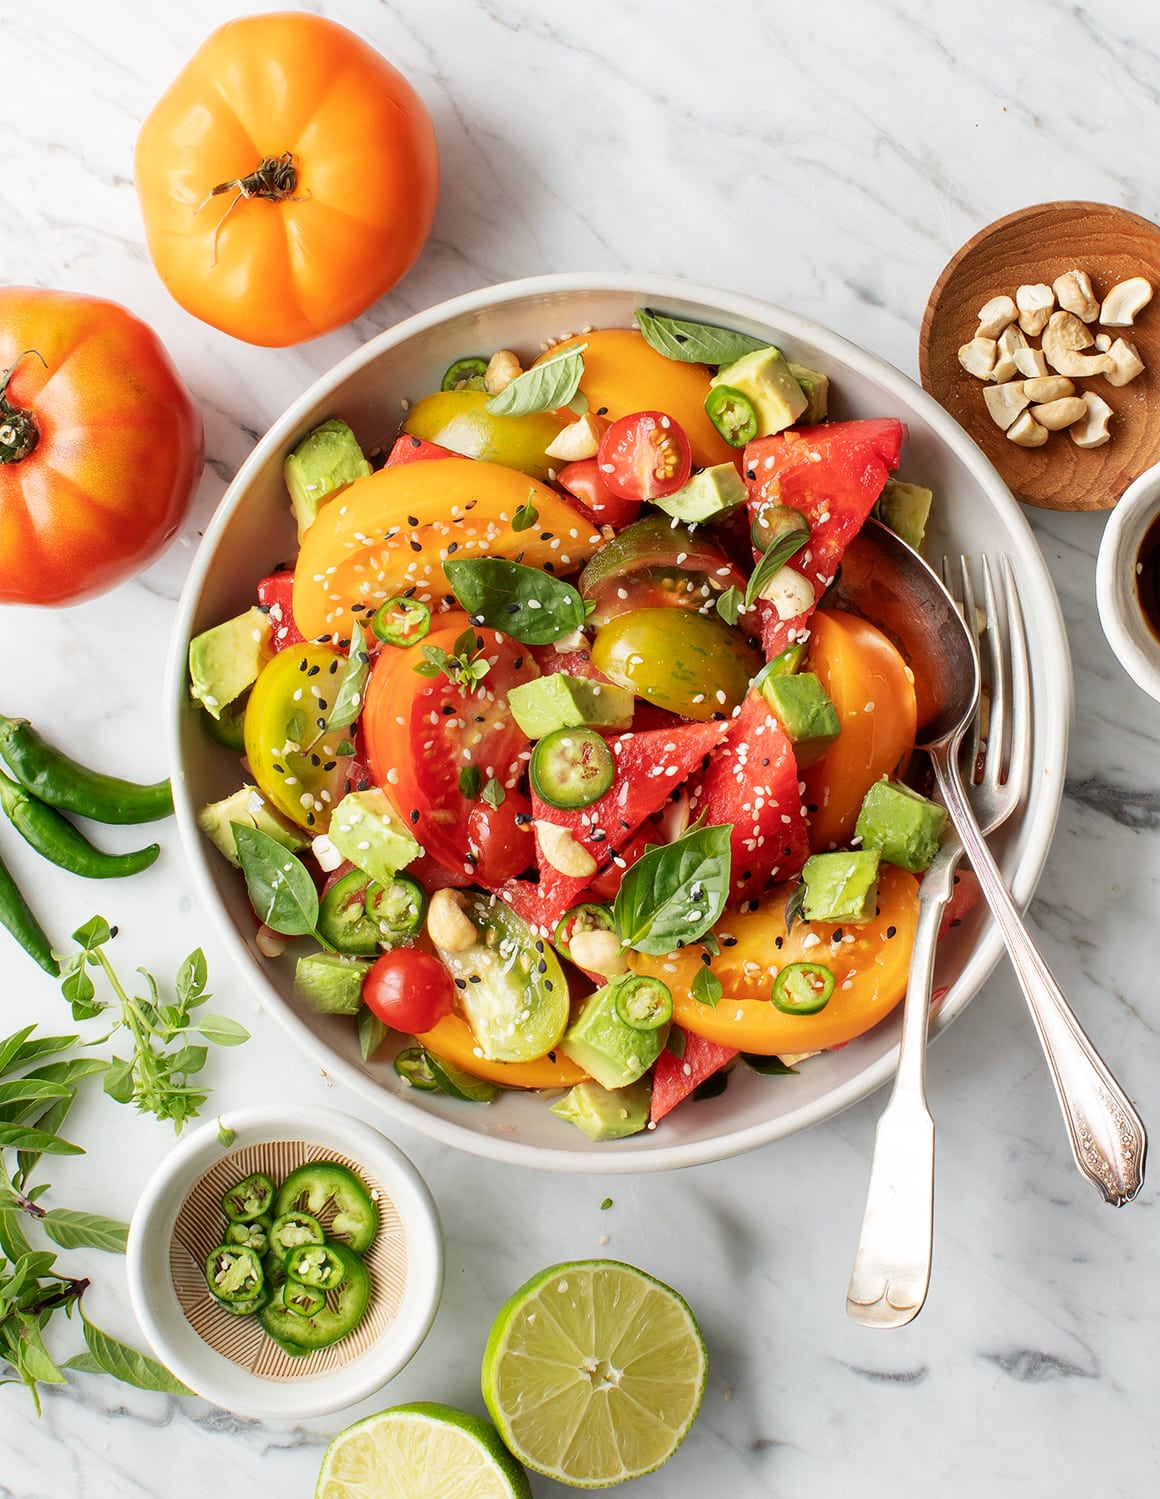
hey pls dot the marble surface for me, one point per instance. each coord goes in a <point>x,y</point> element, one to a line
<point>829,158</point>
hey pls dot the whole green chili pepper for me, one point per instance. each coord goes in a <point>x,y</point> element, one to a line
<point>16,915</point>
<point>53,778</point>
<point>51,834</point>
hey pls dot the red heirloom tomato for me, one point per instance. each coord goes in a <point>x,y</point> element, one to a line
<point>101,446</point>
<point>287,179</point>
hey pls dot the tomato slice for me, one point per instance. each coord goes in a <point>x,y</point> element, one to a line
<point>300,764</point>
<point>595,501</point>
<point>422,732</point>
<point>869,964</point>
<point>276,596</point>
<point>454,1041</point>
<point>500,839</point>
<point>645,456</point>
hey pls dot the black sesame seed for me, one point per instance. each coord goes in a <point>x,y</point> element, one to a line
<point>416,442</point>
<point>461,983</point>
<point>333,667</point>
<point>779,942</point>
<point>313,670</point>
<point>416,546</point>
<point>363,785</point>
<point>891,931</point>
<point>330,764</point>
<point>414,815</point>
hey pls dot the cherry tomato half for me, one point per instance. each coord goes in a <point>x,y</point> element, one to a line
<point>645,456</point>
<point>500,839</point>
<point>595,501</point>
<point>408,989</point>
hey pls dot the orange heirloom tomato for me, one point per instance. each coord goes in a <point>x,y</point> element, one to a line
<point>869,972</point>
<point>287,179</point>
<point>101,446</point>
<point>454,1041</point>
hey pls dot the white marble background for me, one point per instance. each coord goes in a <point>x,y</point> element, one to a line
<point>829,157</point>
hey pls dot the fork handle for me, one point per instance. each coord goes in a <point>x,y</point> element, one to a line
<point>1107,1136</point>
<point>891,1273</point>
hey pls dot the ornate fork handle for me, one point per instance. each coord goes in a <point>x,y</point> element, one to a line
<point>1107,1135</point>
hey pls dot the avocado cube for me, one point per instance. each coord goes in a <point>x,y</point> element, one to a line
<point>709,495</point>
<point>841,886</point>
<point>905,508</point>
<point>803,708</point>
<point>249,807</point>
<point>606,1114</point>
<point>904,827</point>
<point>225,660</point>
<point>367,830</point>
<point>330,982</point>
<point>765,378</point>
<point>816,388</point>
<point>608,1050</point>
<point>325,461</point>
<point>560,701</point>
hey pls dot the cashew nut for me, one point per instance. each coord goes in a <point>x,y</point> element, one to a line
<point>1055,415</point>
<point>788,592</point>
<point>1074,292</point>
<point>1048,388</point>
<point>580,439</point>
<point>562,851</point>
<point>994,316</point>
<point>1093,432</point>
<point>978,357</point>
<point>1063,337</point>
<point>1010,341</point>
<point>598,952</point>
<point>1005,402</point>
<point>1036,303</point>
<point>1030,362</point>
<point>1103,342</point>
<point>1027,432</point>
<point>1124,301</point>
<point>1127,361</point>
<point>448,925</point>
<point>502,369</point>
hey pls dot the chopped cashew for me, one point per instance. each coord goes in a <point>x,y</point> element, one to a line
<point>1049,388</point>
<point>562,851</point>
<point>1063,337</point>
<point>1127,361</point>
<point>1124,301</point>
<point>1027,432</point>
<point>978,357</point>
<point>1036,303</point>
<point>788,592</point>
<point>1030,362</point>
<point>327,855</point>
<point>994,316</point>
<point>580,439</point>
<point>1005,402</point>
<point>1103,342</point>
<point>1007,349</point>
<point>598,952</point>
<point>448,924</point>
<point>1093,432</point>
<point>1055,415</point>
<point>1074,292</point>
<point>502,368</point>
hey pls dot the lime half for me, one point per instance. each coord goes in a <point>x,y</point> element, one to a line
<point>594,1372</point>
<point>421,1451</point>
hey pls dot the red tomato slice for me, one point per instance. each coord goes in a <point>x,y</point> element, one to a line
<point>595,501</point>
<point>645,456</point>
<point>422,732</point>
<point>500,839</point>
<point>833,474</point>
<point>275,595</point>
<point>674,1078</point>
<point>751,781</point>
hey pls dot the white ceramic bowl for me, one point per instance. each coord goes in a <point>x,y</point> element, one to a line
<point>252,529</point>
<point>404,1299</point>
<point>1117,598</point>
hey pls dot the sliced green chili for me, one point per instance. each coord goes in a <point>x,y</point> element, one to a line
<point>414,1067</point>
<point>301,1299</point>
<point>465,374</point>
<point>53,778</point>
<point>315,1265</point>
<point>802,988</point>
<point>572,767</point>
<point>587,917</point>
<point>401,621</point>
<point>733,414</point>
<point>642,1003</point>
<point>292,1230</point>
<point>234,1273</point>
<point>249,1199</point>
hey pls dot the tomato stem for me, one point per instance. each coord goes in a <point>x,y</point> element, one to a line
<point>275,178</point>
<point>19,430</point>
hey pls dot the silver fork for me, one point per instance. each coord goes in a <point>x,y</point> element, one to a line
<point>892,1265</point>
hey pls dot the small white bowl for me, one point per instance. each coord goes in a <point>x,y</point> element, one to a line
<point>254,1379</point>
<point>1117,597</point>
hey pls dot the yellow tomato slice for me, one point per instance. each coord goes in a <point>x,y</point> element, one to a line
<point>873,690</point>
<point>392,531</point>
<point>869,964</point>
<point>622,374</point>
<point>453,1040</point>
<point>294,760</point>
<point>460,420</point>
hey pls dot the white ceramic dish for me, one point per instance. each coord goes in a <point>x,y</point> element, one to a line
<point>1117,598</point>
<point>411,1285</point>
<point>252,529</point>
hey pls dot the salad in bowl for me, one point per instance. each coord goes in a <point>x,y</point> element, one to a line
<point>547,776</point>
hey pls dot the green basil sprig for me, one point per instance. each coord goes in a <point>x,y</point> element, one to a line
<point>695,343</point>
<point>529,605</point>
<point>773,559</point>
<point>707,988</point>
<point>278,884</point>
<point>552,383</point>
<point>348,700</point>
<point>673,894</point>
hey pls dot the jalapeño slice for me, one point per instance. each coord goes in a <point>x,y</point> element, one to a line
<point>249,1199</point>
<point>401,621</point>
<point>465,374</point>
<point>802,988</point>
<point>339,1314</point>
<point>317,1187</point>
<point>733,414</point>
<point>642,1003</point>
<point>234,1273</point>
<point>291,1231</point>
<point>572,767</point>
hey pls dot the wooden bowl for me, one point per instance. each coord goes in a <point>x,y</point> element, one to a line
<point>1039,244</point>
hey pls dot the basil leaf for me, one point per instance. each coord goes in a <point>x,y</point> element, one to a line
<point>10,1048</point>
<point>22,1137</point>
<point>12,1240</point>
<point>773,559</point>
<point>673,894</point>
<point>221,1030</point>
<point>795,905</point>
<point>39,1046</point>
<point>50,1122</point>
<point>225,1135</point>
<point>28,1090</point>
<point>280,889</point>
<point>529,605</point>
<point>74,1230</point>
<point>695,343</point>
<point>729,604</point>
<point>371,1033</point>
<point>348,701</point>
<point>191,980</point>
<point>767,1066</point>
<point>526,516</point>
<point>126,1364</point>
<point>547,385</point>
<point>706,987</point>
<point>470,781</point>
<point>118,1082</point>
<point>35,1360</point>
<point>187,1060</point>
<point>494,794</point>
